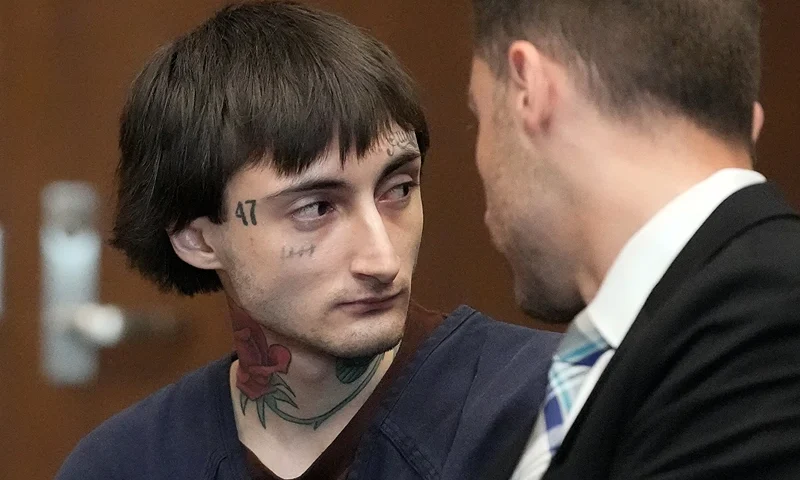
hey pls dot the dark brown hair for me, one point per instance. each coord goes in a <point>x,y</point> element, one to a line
<point>696,58</point>
<point>259,83</point>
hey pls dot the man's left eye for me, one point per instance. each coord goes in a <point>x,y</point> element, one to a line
<point>400,191</point>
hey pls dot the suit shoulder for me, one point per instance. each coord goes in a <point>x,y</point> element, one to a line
<point>757,273</point>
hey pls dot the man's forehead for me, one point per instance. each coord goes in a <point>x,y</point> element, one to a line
<point>393,144</point>
<point>386,147</point>
<point>397,135</point>
<point>394,135</point>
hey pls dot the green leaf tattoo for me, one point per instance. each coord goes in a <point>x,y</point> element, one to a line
<point>262,416</point>
<point>348,370</point>
<point>278,381</point>
<point>281,396</point>
<point>243,401</point>
<point>315,422</point>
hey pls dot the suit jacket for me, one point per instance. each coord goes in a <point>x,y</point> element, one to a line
<point>706,384</point>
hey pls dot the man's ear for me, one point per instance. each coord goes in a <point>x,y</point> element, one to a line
<point>195,244</point>
<point>531,90</point>
<point>758,121</point>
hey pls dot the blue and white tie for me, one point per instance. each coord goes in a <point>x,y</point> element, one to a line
<point>579,350</point>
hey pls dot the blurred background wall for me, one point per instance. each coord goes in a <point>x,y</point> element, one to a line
<point>64,70</point>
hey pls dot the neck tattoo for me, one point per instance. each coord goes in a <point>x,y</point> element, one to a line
<point>280,392</point>
<point>259,380</point>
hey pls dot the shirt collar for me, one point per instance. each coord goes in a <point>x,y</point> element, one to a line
<point>651,250</point>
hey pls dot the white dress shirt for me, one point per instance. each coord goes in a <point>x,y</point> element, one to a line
<point>635,272</point>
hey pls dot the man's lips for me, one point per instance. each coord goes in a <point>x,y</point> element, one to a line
<point>370,303</point>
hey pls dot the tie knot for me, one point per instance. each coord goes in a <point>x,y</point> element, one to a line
<point>581,345</point>
<point>580,348</point>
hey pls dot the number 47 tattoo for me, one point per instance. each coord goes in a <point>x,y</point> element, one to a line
<point>240,212</point>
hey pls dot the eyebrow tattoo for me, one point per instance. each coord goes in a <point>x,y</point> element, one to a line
<point>403,139</point>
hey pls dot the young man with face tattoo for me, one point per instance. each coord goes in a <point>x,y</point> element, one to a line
<point>275,153</point>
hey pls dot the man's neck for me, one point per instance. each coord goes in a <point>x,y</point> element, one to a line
<point>289,380</point>
<point>630,178</point>
<point>292,401</point>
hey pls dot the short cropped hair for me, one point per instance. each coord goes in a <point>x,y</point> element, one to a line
<point>265,83</point>
<point>695,58</point>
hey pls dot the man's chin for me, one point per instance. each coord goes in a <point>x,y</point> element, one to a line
<point>368,350</point>
<point>542,309</point>
<point>371,337</point>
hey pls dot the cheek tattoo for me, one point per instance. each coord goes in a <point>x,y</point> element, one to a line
<point>240,214</point>
<point>292,252</point>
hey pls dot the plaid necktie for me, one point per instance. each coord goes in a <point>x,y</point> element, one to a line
<point>579,350</point>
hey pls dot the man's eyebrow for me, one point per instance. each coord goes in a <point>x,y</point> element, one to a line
<point>320,183</point>
<point>310,185</point>
<point>399,161</point>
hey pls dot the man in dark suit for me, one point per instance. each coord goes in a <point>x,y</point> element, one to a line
<point>615,146</point>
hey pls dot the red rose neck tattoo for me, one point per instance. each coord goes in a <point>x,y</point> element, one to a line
<point>261,366</point>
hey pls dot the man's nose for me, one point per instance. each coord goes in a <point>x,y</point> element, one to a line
<point>374,254</point>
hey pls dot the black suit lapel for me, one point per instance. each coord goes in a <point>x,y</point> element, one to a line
<point>739,212</point>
